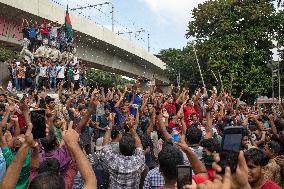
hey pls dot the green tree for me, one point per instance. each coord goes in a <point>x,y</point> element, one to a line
<point>99,78</point>
<point>183,62</point>
<point>235,38</point>
<point>6,54</point>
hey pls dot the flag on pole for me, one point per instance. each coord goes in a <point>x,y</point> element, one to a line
<point>68,26</point>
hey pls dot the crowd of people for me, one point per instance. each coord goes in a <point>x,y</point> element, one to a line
<point>35,32</point>
<point>45,73</point>
<point>124,137</point>
<point>48,59</point>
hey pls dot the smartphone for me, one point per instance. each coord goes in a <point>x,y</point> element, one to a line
<point>231,146</point>
<point>184,175</point>
<point>38,121</point>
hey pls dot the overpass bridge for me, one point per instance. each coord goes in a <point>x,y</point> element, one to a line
<point>99,47</point>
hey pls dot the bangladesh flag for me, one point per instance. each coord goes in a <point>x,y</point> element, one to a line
<point>68,27</point>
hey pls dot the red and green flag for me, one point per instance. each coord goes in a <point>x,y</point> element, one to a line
<point>68,26</point>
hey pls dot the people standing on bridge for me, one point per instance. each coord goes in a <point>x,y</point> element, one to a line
<point>32,29</point>
<point>83,75</point>
<point>60,75</point>
<point>76,77</point>
<point>44,30</point>
<point>53,32</point>
<point>21,72</point>
<point>43,77</point>
<point>52,73</point>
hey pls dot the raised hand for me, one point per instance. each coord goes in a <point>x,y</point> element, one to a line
<point>14,118</point>
<point>240,177</point>
<point>29,140</point>
<point>70,136</point>
<point>94,101</point>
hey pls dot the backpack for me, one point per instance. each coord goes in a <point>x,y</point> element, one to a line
<point>101,171</point>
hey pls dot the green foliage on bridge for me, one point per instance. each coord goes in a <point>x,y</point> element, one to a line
<point>232,38</point>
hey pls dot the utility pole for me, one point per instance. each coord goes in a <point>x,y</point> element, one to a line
<point>198,66</point>
<point>112,17</point>
<point>148,42</point>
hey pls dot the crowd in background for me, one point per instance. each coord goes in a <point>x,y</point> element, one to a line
<point>35,32</point>
<point>45,73</point>
<point>46,68</point>
<point>124,137</point>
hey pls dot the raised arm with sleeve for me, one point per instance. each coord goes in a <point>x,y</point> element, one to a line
<point>118,90</point>
<point>163,121</point>
<point>13,172</point>
<point>272,125</point>
<point>134,134</point>
<point>208,126</point>
<point>121,98</point>
<point>197,166</point>
<point>152,122</point>
<point>144,101</point>
<point>71,138</point>
<point>85,119</point>
<point>107,136</point>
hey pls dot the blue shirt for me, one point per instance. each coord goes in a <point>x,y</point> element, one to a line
<point>154,179</point>
<point>120,118</point>
<point>32,33</point>
<point>2,166</point>
<point>137,100</point>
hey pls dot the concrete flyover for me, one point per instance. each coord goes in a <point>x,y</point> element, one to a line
<point>99,47</point>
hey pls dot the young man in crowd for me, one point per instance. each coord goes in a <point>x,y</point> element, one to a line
<point>130,162</point>
<point>256,161</point>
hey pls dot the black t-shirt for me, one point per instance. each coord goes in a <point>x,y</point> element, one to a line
<point>30,72</point>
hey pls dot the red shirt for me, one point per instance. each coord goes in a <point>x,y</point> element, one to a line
<point>199,112</point>
<point>21,118</point>
<point>187,111</point>
<point>178,127</point>
<point>211,174</point>
<point>270,185</point>
<point>171,108</point>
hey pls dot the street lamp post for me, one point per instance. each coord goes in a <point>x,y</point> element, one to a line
<point>112,18</point>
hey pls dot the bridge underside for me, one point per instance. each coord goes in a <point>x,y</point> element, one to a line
<point>94,52</point>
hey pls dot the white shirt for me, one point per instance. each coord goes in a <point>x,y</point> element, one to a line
<point>61,72</point>
<point>42,71</point>
<point>76,75</point>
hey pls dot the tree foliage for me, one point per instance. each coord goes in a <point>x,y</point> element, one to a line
<point>237,37</point>
<point>99,78</point>
<point>183,62</point>
<point>233,39</point>
<point>6,54</point>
